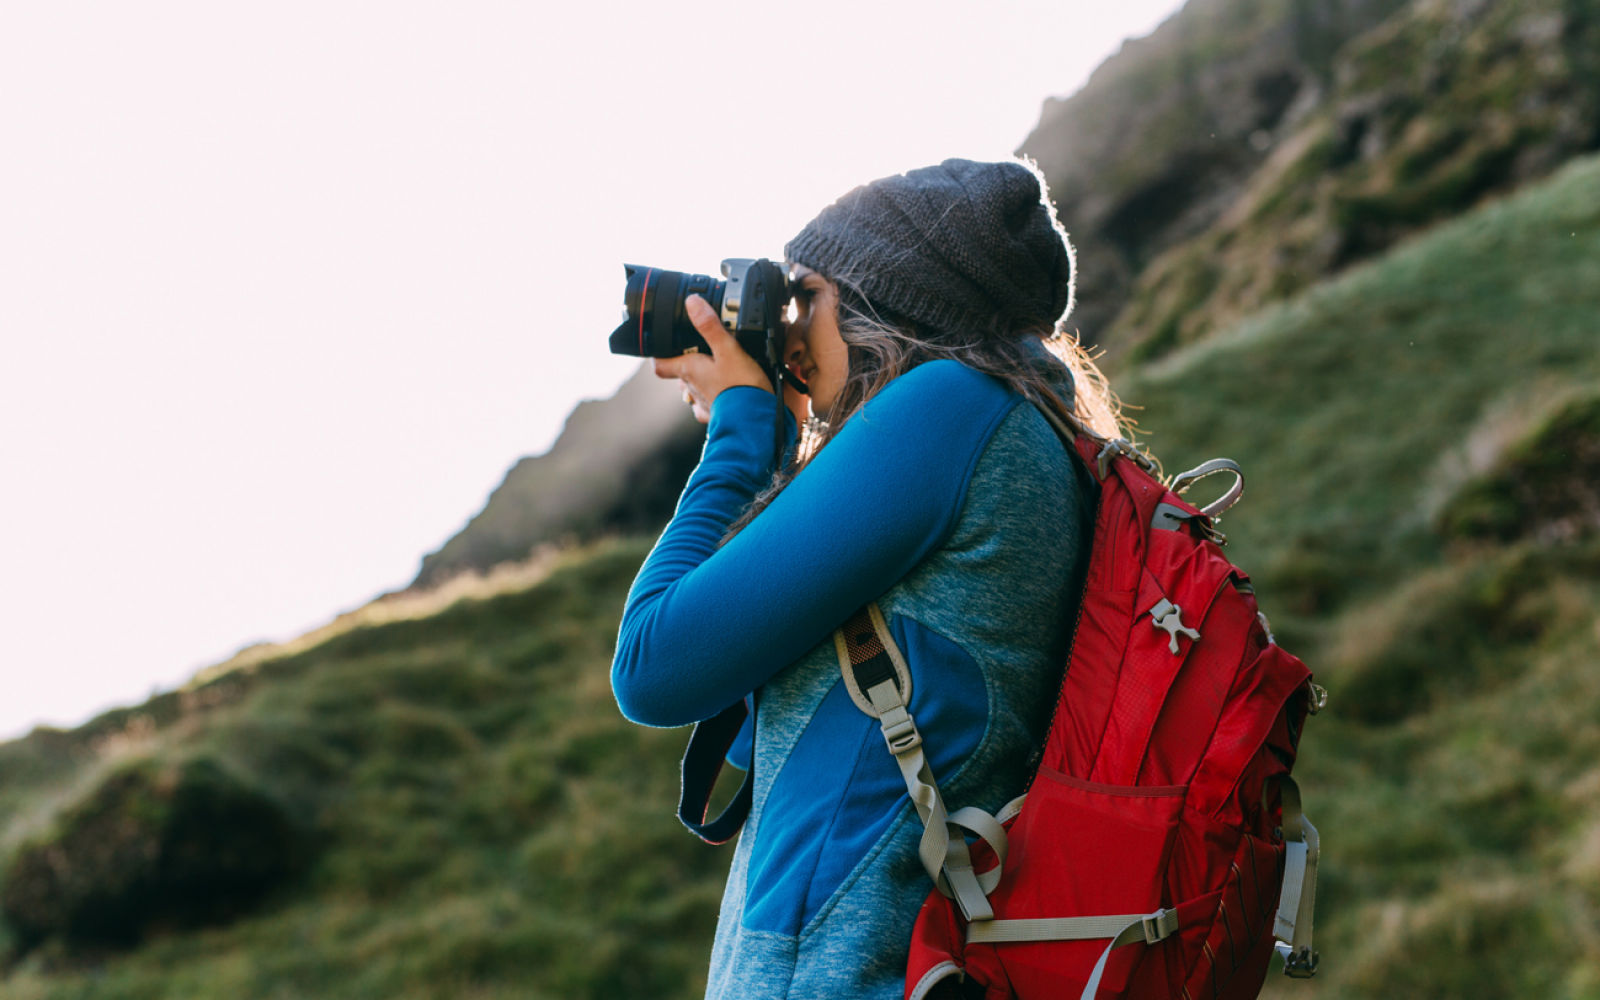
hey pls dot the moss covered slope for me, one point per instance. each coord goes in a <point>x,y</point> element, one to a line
<point>1438,108</point>
<point>1248,149</point>
<point>480,820</point>
<point>1454,774</point>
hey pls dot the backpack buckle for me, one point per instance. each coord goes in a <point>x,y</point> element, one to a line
<point>1126,449</point>
<point>1300,964</point>
<point>1318,700</point>
<point>1159,926</point>
<point>902,735</point>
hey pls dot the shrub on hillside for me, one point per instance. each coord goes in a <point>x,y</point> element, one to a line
<point>1473,632</point>
<point>155,844</point>
<point>1545,486</point>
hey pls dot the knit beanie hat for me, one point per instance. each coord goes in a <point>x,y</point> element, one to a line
<point>955,247</point>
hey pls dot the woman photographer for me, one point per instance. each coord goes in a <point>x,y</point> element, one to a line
<point>927,327</point>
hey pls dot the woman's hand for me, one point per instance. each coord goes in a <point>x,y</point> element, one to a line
<point>705,376</point>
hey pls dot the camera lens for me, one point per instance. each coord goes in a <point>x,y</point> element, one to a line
<point>655,322</point>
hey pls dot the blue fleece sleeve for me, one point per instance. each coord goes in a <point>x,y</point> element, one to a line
<point>705,626</point>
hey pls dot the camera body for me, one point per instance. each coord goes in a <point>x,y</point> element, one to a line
<point>751,301</point>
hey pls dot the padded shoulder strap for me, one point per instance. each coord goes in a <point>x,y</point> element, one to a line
<point>868,656</point>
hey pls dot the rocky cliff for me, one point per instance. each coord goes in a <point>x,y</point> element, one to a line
<point>1249,148</point>
<point>617,468</point>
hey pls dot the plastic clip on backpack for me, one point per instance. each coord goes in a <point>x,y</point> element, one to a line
<point>1160,848</point>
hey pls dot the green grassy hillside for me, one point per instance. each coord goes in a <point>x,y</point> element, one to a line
<point>1167,133</point>
<point>479,820</point>
<point>469,817</point>
<point>1361,407</point>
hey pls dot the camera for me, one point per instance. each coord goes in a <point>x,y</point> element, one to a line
<point>751,301</point>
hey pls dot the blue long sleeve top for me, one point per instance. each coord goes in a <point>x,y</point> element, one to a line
<point>705,626</point>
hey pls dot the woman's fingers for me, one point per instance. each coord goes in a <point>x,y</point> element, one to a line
<point>705,376</point>
<point>692,369</point>
<point>701,408</point>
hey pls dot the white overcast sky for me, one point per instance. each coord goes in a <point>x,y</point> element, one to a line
<point>286,286</point>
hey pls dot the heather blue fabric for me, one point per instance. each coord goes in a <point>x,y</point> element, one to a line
<point>950,706</point>
<point>829,833</point>
<point>962,514</point>
<point>743,747</point>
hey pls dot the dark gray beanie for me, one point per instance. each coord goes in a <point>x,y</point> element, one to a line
<point>955,247</point>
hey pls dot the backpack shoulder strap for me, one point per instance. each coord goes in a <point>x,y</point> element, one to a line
<point>875,672</point>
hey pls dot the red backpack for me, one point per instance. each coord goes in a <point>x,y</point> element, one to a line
<point>1160,848</point>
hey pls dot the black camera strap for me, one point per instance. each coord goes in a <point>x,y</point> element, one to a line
<point>702,763</point>
<point>778,439</point>
<point>772,307</point>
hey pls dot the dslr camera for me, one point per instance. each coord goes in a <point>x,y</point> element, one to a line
<point>751,299</point>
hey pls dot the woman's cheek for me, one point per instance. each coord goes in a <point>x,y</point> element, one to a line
<point>823,396</point>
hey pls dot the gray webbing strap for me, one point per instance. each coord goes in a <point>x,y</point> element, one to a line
<point>1010,809</point>
<point>945,857</point>
<point>1162,924</point>
<point>1133,928</point>
<point>984,826</point>
<point>1297,902</point>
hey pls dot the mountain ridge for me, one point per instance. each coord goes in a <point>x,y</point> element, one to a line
<point>1233,187</point>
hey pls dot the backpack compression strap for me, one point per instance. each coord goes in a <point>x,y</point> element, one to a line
<point>880,684</point>
<point>1298,899</point>
<point>1132,928</point>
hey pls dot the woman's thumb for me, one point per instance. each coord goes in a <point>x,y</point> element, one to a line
<point>709,325</point>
